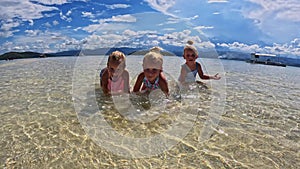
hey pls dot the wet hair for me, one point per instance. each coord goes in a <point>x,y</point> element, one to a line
<point>117,57</point>
<point>154,56</point>
<point>190,46</point>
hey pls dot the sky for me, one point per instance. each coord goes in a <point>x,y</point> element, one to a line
<point>268,26</point>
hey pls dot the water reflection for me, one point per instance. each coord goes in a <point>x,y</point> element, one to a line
<point>40,128</point>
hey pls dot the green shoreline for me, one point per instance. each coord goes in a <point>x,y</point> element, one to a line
<point>22,55</point>
<point>25,55</point>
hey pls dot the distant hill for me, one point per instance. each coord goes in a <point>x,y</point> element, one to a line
<point>65,53</point>
<point>20,55</point>
<point>86,52</point>
<point>107,51</point>
<point>168,51</point>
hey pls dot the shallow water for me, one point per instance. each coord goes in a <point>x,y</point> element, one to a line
<point>51,119</point>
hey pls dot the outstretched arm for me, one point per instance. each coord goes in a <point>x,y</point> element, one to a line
<point>200,72</point>
<point>138,82</point>
<point>215,77</point>
<point>203,76</point>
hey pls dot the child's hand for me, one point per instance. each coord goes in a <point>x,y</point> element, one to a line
<point>216,77</point>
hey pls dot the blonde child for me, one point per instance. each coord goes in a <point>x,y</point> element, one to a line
<point>115,78</point>
<point>191,68</point>
<point>152,77</point>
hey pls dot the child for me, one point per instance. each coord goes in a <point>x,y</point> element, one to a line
<point>114,78</point>
<point>190,69</point>
<point>152,77</point>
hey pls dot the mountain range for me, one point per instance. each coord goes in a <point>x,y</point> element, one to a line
<point>168,51</point>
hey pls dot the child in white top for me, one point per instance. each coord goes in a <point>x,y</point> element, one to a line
<point>191,68</point>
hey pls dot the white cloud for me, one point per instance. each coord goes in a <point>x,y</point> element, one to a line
<point>129,33</point>
<point>69,13</point>
<point>92,28</point>
<point>114,23</point>
<point>279,9</point>
<point>292,48</point>
<point>31,22</point>
<point>295,43</point>
<point>203,27</point>
<point>101,41</point>
<point>7,34</point>
<point>273,21</point>
<point>169,29</point>
<point>144,38</point>
<point>47,24</point>
<point>6,28</point>
<point>116,6</point>
<point>176,38</point>
<point>181,38</point>
<point>36,40</point>
<point>52,2</point>
<point>278,20</point>
<point>105,27</point>
<point>195,17</point>
<point>65,17</point>
<point>217,1</point>
<point>119,18</point>
<point>206,45</point>
<point>55,22</point>
<point>162,5</point>
<point>87,15</point>
<point>24,10</point>
<point>9,25</point>
<point>171,21</point>
<point>32,32</point>
<point>70,43</point>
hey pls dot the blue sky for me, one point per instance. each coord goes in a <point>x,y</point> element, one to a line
<point>271,26</point>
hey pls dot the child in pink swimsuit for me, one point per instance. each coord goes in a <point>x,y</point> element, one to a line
<point>115,78</point>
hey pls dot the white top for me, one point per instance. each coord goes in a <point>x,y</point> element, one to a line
<point>191,74</point>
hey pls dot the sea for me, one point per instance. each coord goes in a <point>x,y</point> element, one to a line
<point>54,115</point>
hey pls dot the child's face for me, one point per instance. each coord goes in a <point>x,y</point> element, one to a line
<point>151,70</point>
<point>190,56</point>
<point>115,70</point>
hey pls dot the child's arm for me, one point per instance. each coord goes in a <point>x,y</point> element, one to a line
<point>126,81</point>
<point>163,84</point>
<point>200,72</point>
<point>215,77</point>
<point>138,82</point>
<point>203,76</point>
<point>104,82</point>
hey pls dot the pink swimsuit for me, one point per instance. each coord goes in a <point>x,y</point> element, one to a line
<point>116,86</point>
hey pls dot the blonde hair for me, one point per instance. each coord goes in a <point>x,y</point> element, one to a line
<point>117,57</point>
<point>190,46</point>
<point>154,56</point>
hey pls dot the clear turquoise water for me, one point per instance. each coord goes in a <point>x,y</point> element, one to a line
<point>44,126</point>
